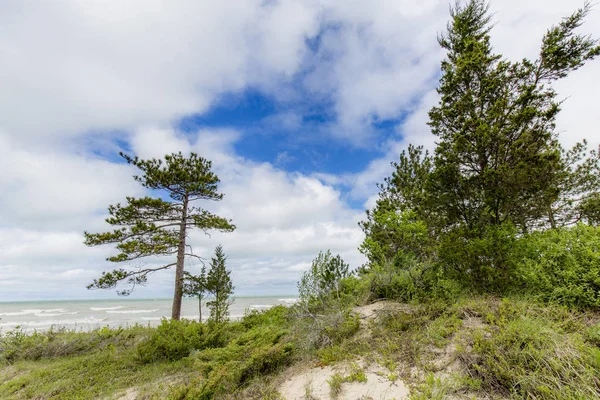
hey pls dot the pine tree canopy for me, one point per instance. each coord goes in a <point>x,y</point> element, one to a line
<point>498,158</point>
<point>153,226</point>
<point>498,169</point>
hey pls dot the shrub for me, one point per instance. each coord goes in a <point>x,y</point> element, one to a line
<point>420,281</point>
<point>483,260</point>
<point>173,340</point>
<point>322,279</point>
<point>562,265</point>
<point>227,370</point>
<point>277,315</point>
<point>326,329</point>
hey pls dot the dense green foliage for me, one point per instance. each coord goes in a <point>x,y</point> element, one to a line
<point>150,227</point>
<point>218,284</point>
<point>561,265</point>
<point>464,215</point>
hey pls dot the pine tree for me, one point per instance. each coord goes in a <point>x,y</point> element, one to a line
<point>219,285</point>
<point>403,198</point>
<point>498,158</point>
<point>498,167</point>
<point>195,286</point>
<point>152,226</point>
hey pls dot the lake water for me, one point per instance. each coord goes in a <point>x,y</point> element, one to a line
<point>90,314</point>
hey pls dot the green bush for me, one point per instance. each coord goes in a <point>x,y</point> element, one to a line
<point>226,370</point>
<point>484,261</point>
<point>418,282</point>
<point>322,280</point>
<point>562,265</point>
<point>173,340</point>
<point>328,328</point>
<point>277,315</point>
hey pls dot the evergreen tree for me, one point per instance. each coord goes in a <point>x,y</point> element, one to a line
<point>152,226</point>
<point>497,167</point>
<point>404,198</point>
<point>218,284</point>
<point>195,286</point>
<point>498,158</point>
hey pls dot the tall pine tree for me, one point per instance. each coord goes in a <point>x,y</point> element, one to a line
<point>497,165</point>
<point>498,158</point>
<point>155,227</point>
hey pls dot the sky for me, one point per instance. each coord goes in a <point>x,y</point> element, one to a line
<point>301,106</point>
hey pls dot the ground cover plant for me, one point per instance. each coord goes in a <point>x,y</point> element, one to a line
<point>179,359</point>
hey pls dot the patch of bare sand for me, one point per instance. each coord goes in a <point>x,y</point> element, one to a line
<point>130,394</point>
<point>373,310</point>
<point>313,384</point>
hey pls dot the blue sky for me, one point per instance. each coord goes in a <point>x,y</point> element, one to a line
<point>300,104</point>
<point>304,146</point>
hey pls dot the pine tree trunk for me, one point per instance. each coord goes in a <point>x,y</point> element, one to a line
<point>551,218</point>
<point>200,308</point>
<point>217,307</point>
<point>178,295</point>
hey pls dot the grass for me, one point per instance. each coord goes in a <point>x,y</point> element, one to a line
<point>335,385</point>
<point>80,365</point>
<point>357,374</point>
<point>532,351</point>
<point>182,359</point>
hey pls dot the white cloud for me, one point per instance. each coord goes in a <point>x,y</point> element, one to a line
<point>70,67</point>
<point>49,190</point>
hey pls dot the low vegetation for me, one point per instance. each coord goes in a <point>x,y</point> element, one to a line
<point>178,359</point>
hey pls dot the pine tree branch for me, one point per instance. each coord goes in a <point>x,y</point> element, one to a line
<point>111,279</point>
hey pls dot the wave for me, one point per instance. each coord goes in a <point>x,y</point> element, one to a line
<point>153,318</point>
<point>288,301</point>
<point>193,317</point>
<point>62,322</point>
<point>17,313</point>
<point>105,308</point>
<point>261,306</point>
<point>38,312</point>
<point>131,311</point>
<point>46,314</point>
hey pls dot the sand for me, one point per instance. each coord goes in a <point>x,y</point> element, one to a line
<point>312,384</point>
